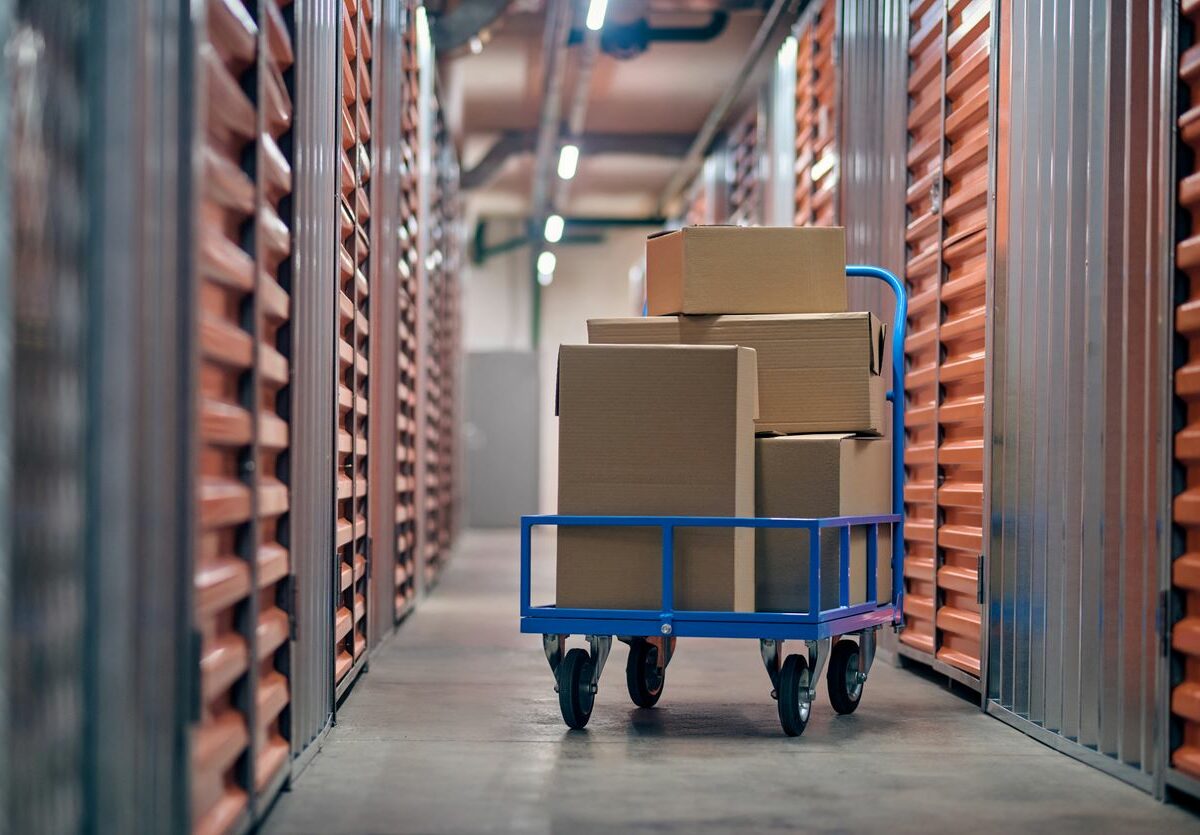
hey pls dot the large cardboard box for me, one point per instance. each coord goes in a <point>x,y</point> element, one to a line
<point>734,269</point>
<point>816,372</point>
<point>656,430</point>
<point>819,475</point>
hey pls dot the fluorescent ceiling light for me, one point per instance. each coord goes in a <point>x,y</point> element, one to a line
<point>546,263</point>
<point>568,161</point>
<point>595,15</point>
<point>554,228</point>
<point>476,45</point>
<point>545,279</point>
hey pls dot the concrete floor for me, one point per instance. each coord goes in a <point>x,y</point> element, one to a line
<point>455,728</point>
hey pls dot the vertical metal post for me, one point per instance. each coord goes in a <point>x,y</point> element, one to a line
<point>526,558</point>
<point>872,563</point>
<point>668,574</point>
<point>844,565</point>
<point>814,570</point>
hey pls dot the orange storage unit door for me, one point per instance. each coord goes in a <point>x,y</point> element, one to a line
<point>354,290</point>
<point>745,189</point>
<point>949,92</point>
<point>817,94</point>
<point>1184,720</point>
<point>407,361</point>
<point>240,749</point>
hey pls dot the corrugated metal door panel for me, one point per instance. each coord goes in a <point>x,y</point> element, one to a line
<point>225,524</point>
<point>1080,370</point>
<point>817,94</point>
<point>409,302</point>
<point>275,286</point>
<point>922,349</point>
<point>962,333</point>
<point>1184,736</point>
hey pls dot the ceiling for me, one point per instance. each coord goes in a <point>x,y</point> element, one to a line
<point>668,89</point>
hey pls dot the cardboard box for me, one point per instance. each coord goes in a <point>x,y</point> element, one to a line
<point>816,372</point>
<point>819,475</point>
<point>656,430</point>
<point>737,269</point>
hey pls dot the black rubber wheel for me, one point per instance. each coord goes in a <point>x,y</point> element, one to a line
<point>643,676</point>
<point>794,703</point>
<point>845,688</point>
<point>575,696</point>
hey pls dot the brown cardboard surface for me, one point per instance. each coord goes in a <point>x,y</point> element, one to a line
<point>736,269</point>
<point>819,475</point>
<point>817,372</point>
<point>657,430</point>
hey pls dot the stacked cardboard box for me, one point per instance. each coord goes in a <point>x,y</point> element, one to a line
<point>748,333</point>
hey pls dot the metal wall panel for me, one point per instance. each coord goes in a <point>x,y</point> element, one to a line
<point>1182,574</point>
<point>873,45</point>
<point>313,392</point>
<point>139,649</point>
<point>1080,372</point>
<point>46,228</point>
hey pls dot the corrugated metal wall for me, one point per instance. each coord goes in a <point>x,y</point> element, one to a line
<point>318,26</point>
<point>139,622</point>
<point>1182,572</point>
<point>873,66</point>
<point>1080,375</point>
<point>45,235</point>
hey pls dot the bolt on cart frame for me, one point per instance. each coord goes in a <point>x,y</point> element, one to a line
<point>651,633</point>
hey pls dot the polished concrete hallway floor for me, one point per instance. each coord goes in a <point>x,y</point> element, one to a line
<point>455,728</point>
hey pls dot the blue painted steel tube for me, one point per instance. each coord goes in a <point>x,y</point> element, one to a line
<point>896,396</point>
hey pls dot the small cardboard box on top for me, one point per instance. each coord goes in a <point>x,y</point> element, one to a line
<point>805,476</point>
<point>737,269</point>
<point>660,430</point>
<point>818,372</point>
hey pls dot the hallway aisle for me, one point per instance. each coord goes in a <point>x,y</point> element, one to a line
<point>455,728</point>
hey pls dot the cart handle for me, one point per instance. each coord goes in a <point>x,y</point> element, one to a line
<point>896,397</point>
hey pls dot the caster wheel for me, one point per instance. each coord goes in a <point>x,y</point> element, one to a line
<point>643,676</point>
<point>795,705</point>
<point>575,696</point>
<point>845,687</point>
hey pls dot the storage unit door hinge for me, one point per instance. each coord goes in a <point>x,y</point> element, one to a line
<point>979,580</point>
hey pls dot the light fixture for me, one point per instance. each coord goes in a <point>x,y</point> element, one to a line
<point>546,262</point>
<point>568,161</point>
<point>554,229</point>
<point>545,279</point>
<point>595,14</point>
<point>476,45</point>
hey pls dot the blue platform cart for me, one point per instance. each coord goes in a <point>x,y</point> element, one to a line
<point>651,634</point>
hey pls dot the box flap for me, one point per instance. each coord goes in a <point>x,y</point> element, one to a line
<point>661,233</point>
<point>878,338</point>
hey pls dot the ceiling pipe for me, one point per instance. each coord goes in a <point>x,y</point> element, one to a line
<point>777,21</point>
<point>516,143</point>
<point>554,59</point>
